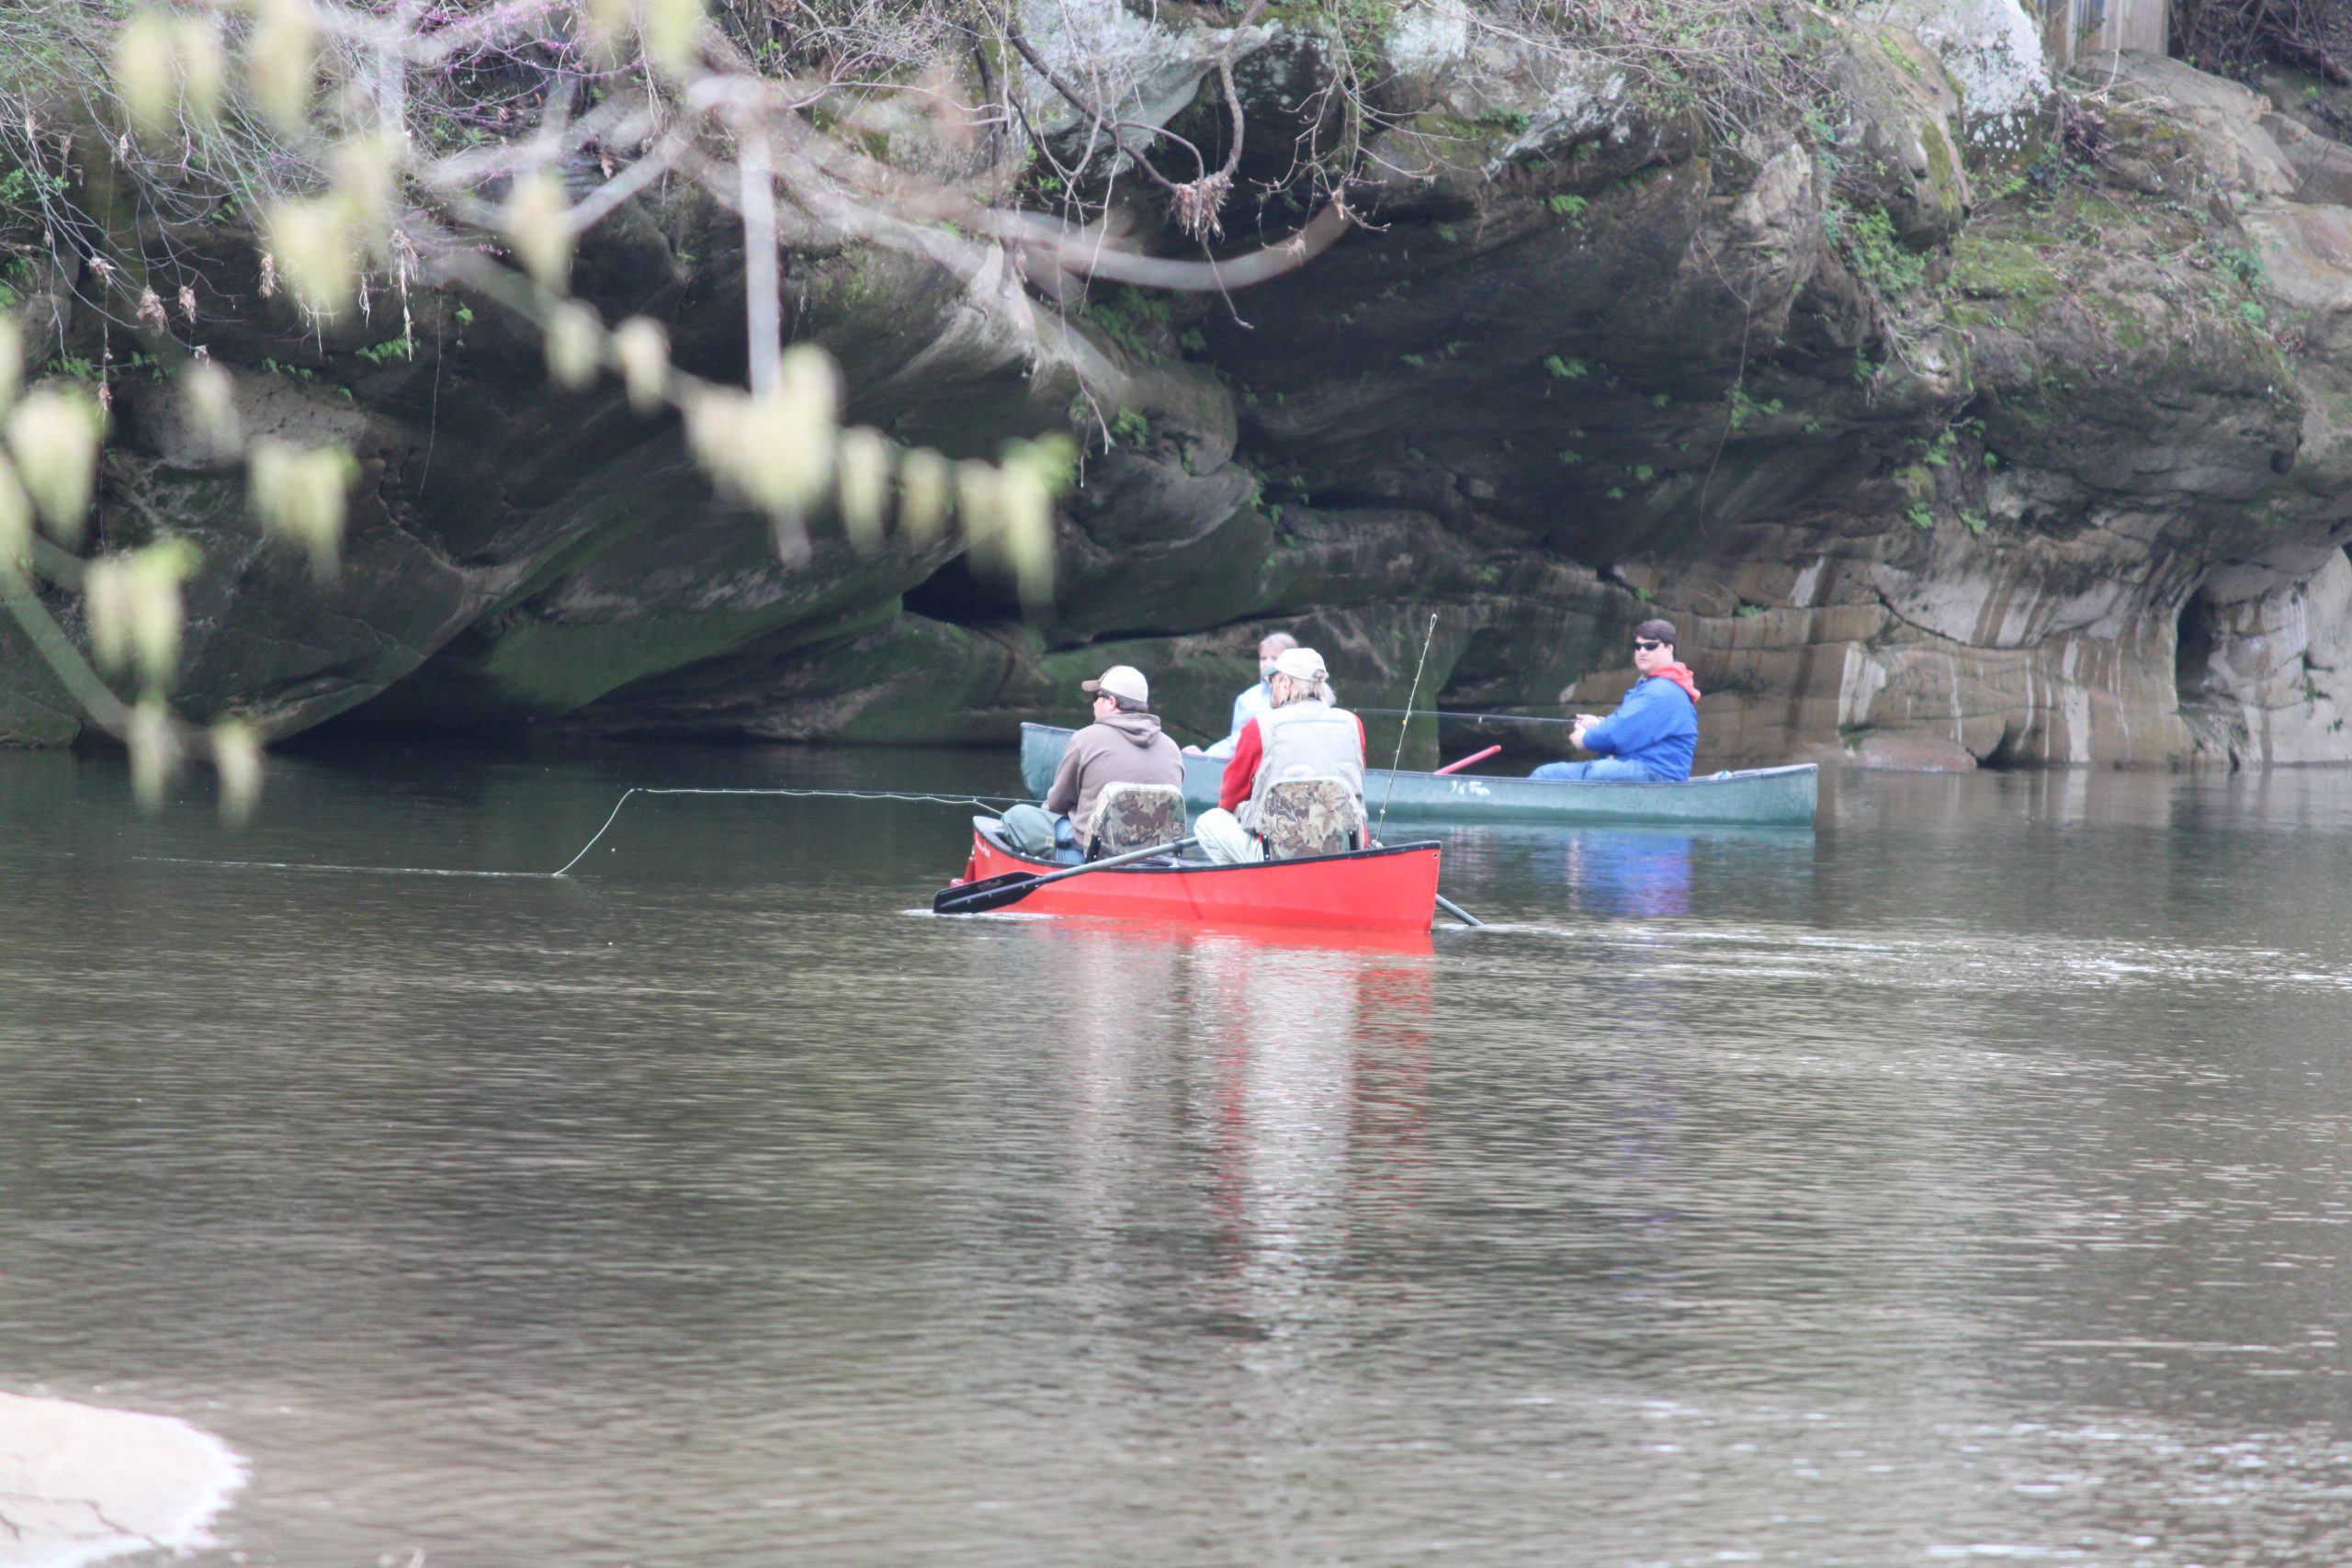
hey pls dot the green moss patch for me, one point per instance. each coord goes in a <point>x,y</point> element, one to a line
<point>1984,268</point>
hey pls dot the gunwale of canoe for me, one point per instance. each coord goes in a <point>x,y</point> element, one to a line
<point>1765,797</point>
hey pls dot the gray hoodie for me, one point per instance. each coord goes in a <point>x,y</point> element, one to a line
<point>1126,748</point>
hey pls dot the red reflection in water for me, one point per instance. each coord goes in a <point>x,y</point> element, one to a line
<point>1285,1070</point>
<point>1319,1107</point>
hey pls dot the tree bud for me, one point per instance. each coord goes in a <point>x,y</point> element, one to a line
<point>668,28</point>
<point>539,223</point>
<point>643,349</point>
<point>135,608</point>
<point>154,750</point>
<point>236,758</point>
<point>196,42</point>
<point>12,360</point>
<point>365,172</point>
<point>208,399</point>
<point>976,501</point>
<point>15,526</point>
<point>280,59</point>
<point>312,242</point>
<point>300,495</point>
<point>145,75</point>
<point>55,438</point>
<point>1026,485</point>
<point>924,481</point>
<point>864,460</point>
<point>574,338</point>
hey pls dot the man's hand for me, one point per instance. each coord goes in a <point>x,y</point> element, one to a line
<point>1583,721</point>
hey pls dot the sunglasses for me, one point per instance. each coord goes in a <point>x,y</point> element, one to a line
<point>1641,647</point>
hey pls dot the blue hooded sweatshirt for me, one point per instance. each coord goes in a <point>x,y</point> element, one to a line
<point>1656,725</point>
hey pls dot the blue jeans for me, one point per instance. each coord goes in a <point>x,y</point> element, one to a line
<point>1606,768</point>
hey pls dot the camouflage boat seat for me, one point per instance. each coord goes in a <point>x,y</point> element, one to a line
<point>1309,816</point>
<point>1135,817</point>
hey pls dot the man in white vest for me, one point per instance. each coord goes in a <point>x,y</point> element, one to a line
<point>1302,734</point>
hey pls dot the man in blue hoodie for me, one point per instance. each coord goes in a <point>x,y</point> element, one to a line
<point>1651,736</point>
<point>1254,700</point>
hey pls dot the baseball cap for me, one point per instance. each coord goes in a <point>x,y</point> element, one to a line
<point>1301,664</point>
<point>1121,680</point>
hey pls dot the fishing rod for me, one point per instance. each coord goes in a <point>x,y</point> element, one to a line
<point>1447,904</point>
<point>1415,690</point>
<point>1451,713</point>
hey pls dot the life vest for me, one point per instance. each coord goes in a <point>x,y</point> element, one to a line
<point>1306,740</point>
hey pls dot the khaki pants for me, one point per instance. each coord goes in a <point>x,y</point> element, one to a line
<point>1225,840</point>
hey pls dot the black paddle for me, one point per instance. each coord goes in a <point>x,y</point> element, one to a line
<point>1458,912</point>
<point>996,892</point>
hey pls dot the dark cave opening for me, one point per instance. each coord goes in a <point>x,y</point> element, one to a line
<point>961,597</point>
<point>2197,636</point>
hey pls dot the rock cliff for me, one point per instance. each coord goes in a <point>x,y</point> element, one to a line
<point>1943,447</point>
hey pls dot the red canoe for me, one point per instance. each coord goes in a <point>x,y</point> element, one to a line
<point>1391,888</point>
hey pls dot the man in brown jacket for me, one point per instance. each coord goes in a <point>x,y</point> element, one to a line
<point>1124,745</point>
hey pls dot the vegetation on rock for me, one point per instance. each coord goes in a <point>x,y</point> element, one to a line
<point>1544,313</point>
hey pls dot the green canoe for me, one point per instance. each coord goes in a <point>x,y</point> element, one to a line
<point>1764,797</point>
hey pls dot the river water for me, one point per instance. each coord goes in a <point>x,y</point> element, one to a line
<point>1964,1181</point>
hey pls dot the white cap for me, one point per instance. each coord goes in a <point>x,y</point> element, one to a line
<point>1301,664</point>
<point>1121,680</point>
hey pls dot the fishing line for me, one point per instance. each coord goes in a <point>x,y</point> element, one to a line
<point>984,802</point>
<point>1398,760</point>
<point>987,803</point>
<point>349,870</point>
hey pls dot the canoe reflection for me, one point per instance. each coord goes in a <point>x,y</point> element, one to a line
<point>1638,873</point>
<point>1630,873</point>
<point>1319,1113</point>
<point>1295,1075</point>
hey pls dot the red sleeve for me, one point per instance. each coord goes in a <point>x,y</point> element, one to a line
<point>1242,772</point>
<point>1363,746</point>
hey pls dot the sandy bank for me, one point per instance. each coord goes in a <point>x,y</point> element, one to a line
<point>80,1484</point>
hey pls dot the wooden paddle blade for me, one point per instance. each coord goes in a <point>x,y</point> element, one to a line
<point>978,897</point>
